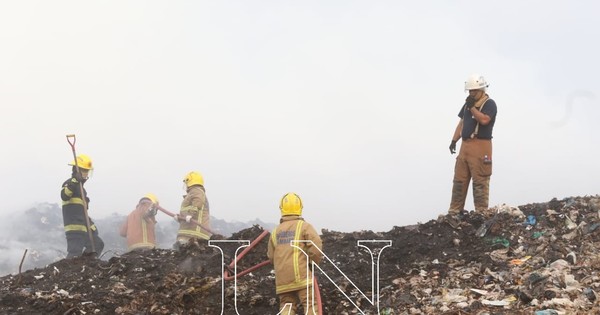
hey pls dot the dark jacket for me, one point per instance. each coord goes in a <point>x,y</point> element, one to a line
<point>72,206</point>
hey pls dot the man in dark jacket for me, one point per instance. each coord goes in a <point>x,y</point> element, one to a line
<point>74,206</point>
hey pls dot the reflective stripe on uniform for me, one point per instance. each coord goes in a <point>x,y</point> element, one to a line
<point>68,192</point>
<point>198,231</point>
<point>192,233</point>
<point>73,201</point>
<point>141,245</point>
<point>297,250</point>
<point>299,282</point>
<point>78,227</point>
<point>144,232</point>
<point>274,236</point>
<point>296,285</point>
<point>192,208</point>
<point>75,227</point>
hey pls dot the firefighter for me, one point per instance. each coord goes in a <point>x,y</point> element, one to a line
<point>139,226</point>
<point>194,206</point>
<point>74,203</point>
<point>474,161</point>
<point>293,281</point>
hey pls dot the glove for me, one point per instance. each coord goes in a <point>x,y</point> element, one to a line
<point>151,211</point>
<point>453,147</point>
<point>188,218</point>
<point>73,186</point>
<point>176,218</point>
<point>469,102</point>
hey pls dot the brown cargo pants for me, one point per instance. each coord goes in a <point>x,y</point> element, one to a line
<point>471,162</point>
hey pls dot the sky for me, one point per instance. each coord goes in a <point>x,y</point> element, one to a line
<point>350,104</point>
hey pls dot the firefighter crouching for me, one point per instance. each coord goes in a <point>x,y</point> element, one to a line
<point>139,226</point>
<point>293,284</point>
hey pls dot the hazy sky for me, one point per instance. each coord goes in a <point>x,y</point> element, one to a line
<point>351,104</point>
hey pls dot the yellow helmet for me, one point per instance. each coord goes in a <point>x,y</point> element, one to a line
<point>193,178</point>
<point>83,161</point>
<point>290,204</point>
<point>151,197</point>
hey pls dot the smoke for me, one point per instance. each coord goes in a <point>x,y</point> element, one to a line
<point>39,230</point>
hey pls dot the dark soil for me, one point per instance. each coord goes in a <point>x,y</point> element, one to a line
<point>423,264</point>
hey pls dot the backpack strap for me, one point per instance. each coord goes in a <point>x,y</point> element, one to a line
<point>474,134</point>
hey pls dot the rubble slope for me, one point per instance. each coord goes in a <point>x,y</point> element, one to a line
<point>538,258</point>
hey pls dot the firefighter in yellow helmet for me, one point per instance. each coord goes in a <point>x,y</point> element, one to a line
<point>139,227</point>
<point>293,283</point>
<point>194,206</point>
<point>78,240</point>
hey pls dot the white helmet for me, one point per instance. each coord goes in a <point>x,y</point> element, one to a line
<point>475,82</point>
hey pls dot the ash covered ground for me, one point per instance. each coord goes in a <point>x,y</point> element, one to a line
<point>535,257</point>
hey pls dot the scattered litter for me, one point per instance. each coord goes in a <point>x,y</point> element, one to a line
<point>519,261</point>
<point>531,220</point>
<point>480,292</point>
<point>551,269</point>
<point>495,303</point>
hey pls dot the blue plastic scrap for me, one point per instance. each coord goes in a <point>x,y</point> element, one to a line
<point>530,220</point>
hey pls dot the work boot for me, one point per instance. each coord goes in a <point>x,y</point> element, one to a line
<point>452,219</point>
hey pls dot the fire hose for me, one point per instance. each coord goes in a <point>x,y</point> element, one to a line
<point>241,255</point>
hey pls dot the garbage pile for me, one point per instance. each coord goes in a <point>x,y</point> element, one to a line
<point>540,258</point>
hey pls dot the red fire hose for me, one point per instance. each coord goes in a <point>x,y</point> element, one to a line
<point>242,254</point>
<point>318,296</point>
<point>227,277</point>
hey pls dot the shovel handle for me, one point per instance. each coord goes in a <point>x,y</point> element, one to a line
<point>69,140</point>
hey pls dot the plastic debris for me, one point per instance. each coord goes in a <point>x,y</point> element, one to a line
<point>480,292</point>
<point>569,223</point>
<point>536,235</point>
<point>531,220</point>
<point>495,303</point>
<point>549,269</point>
<point>502,241</point>
<point>590,294</point>
<point>519,261</point>
<point>592,227</point>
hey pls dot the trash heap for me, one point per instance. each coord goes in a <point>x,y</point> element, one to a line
<point>540,258</point>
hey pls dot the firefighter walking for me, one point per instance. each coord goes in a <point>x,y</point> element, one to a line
<point>474,161</point>
<point>194,206</point>
<point>293,275</point>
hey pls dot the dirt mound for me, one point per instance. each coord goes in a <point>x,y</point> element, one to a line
<point>537,257</point>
